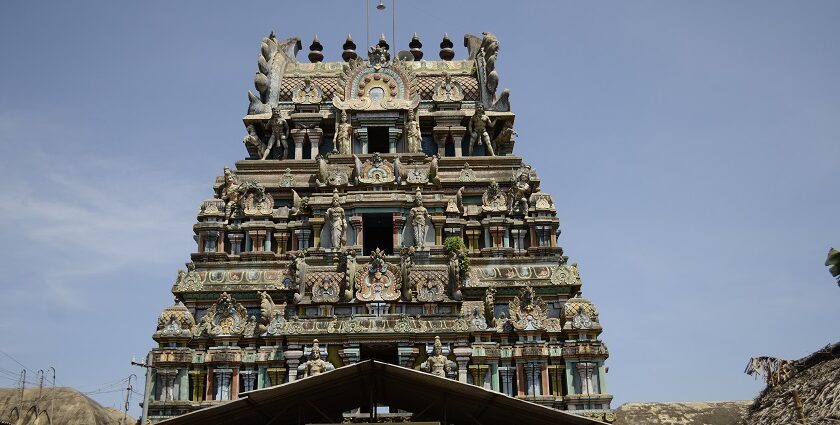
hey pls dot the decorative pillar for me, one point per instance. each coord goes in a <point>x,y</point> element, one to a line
<point>292,362</point>
<point>507,374</point>
<point>518,236</point>
<point>393,136</point>
<point>208,387</point>
<point>462,357</point>
<point>210,239</point>
<point>457,133</point>
<point>299,136</point>
<point>350,354</point>
<point>362,137</point>
<point>399,220</point>
<point>316,136</point>
<point>257,240</point>
<point>234,384</point>
<point>249,378</point>
<point>440,135</point>
<point>356,222</point>
<point>479,375</point>
<point>438,221</point>
<point>317,224</point>
<point>544,380</point>
<point>282,238</point>
<point>555,372</point>
<point>199,381</point>
<point>497,234</point>
<point>302,236</point>
<point>235,243</point>
<point>584,371</point>
<point>472,236</point>
<point>407,354</point>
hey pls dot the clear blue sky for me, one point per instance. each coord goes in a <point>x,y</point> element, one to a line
<point>692,149</point>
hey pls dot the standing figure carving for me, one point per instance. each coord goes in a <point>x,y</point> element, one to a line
<point>520,191</point>
<point>418,216</point>
<point>478,127</point>
<point>230,193</point>
<point>342,140</point>
<point>437,364</point>
<point>413,137</point>
<point>279,130</point>
<point>338,222</point>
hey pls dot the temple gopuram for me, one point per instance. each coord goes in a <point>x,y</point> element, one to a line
<point>380,233</point>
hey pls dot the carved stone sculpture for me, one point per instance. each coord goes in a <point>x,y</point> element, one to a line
<point>230,193</point>
<point>307,92</point>
<point>520,191</point>
<point>279,129</point>
<point>413,137</point>
<point>252,142</point>
<point>490,305</point>
<point>406,263</point>
<point>315,365</point>
<point>437,364</point>
<point>418,217</point>
<point>433,170</point>
<point>378,281</point>
<point>225,317</point>
<point>504,138</point>
<point>455,259</point>
<point>493,199</point>
<point>527,312</point>
<point>338,222</point>
<point>342,140</point>
<point>297,271</point>
<point>349,265</point>
<point>478,127</point>
<point>448,90</point>
<point>243,197</point>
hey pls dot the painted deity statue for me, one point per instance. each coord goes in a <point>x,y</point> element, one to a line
<point>413,138</point>
<point>437,364</point>
<point>418,217</point>
<point>279,129</point>
<point>315,365</point>
<point>338,222</point>
<point>478,127</point>
<point>341,140</point>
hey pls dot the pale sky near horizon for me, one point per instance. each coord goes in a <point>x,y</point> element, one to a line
<point>691,148</point>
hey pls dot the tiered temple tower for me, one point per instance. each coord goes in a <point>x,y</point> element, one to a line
<point>380,214</point>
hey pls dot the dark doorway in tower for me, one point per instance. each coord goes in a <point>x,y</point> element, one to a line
<point>378,233</point>
<point>385,353</point>
<point>378,139</point>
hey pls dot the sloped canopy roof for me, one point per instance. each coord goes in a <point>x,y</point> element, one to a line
<point>323,398</point>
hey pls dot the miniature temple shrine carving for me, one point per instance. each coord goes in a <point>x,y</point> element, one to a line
<point>380,212</point>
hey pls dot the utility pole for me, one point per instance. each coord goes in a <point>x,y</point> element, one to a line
<point>148,391</point>
<point>128,391</point>
<point>53,391</point>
